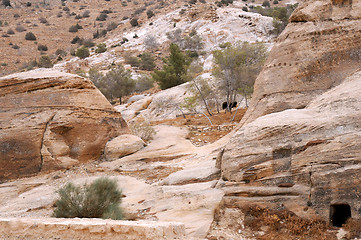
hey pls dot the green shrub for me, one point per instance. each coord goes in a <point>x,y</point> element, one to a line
<point>100,199</point>
<point>82,52</point>
<point>30,36</point>
<point>102,47</point>
<point>117,83</point>
<point>45,62</point>
<point>147,62</point>
<point>174,69</point>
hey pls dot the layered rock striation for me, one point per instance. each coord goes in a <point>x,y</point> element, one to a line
<point>51,120</point>
<point>319,48</point>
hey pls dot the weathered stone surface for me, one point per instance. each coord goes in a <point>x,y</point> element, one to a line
<point>303,159</point>
<point>123,145</point>
<point>69,229</point>
<point>319,48</point>
<point>51,120</point>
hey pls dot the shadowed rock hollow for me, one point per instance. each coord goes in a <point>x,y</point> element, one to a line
<point>52,120</point>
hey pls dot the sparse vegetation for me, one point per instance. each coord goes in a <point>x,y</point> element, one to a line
<point>100,199</point>
<point>102,47</point>
<point>280,15</point>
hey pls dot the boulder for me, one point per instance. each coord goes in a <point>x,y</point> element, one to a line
<point>52,120</point>
<point>319,48</point>
<point>123,145</point>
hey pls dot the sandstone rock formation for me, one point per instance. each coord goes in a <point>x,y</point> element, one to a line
<point>299,147</point>
<point>123,145</point>
<point>52,120</point>
<point>319,48</point>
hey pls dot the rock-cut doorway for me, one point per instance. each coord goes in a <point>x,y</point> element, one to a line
<point>339,213</point>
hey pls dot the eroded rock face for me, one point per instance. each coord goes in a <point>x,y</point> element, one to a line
<point>51,120</point>
<point>319,48</point>
<point>306,160</point>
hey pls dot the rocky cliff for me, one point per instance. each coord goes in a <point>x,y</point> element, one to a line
<point>319,48</point>
<point>51,120</point>
<point>298,148</point>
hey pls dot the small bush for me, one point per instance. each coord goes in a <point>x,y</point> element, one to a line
<point>6,3</point>
<point>111,26</point>
<point>86,14</point>
<point>101,48</point>
<point>20,28</point>
<point>133,61</point>
<point>60,52</point>
<point>150,13</point>
<point>102,17</point>
<point>73,29</point>
<point>43,20</point>
<point>82,52</point>
<point>142,130</point>
<point>100,199</point>
<point>42,47</point>
<point>10,31</point>
<point>266,4</point>
<point>147,62</point>
<point>76,40</point>
<point>30,36</point>
<point>45,62</point>
<point>134,22</point>
<point>88,43</point>
<point>15,46</point>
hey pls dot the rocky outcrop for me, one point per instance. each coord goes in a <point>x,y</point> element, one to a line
<point>319,48</point>
<point>52,120</point>
<point>307,161</point>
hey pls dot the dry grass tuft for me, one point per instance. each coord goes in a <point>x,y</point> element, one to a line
<point>284,224</point>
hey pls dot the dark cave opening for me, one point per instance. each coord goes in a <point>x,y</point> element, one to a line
<point>339,213</point>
